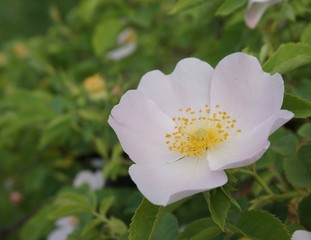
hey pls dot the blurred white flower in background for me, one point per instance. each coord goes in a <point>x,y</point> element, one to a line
<point>256,9</point>
<point>127,40</point>
<point>64,227</point>
<point>301,235</point>
<point>94,180</point>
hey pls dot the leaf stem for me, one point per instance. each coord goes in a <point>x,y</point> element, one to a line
<point>259,180</point>
<point>278,197</point>
<point>101,217</point>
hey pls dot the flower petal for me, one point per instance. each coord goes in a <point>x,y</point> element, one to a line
<point>167,183</point>
<point>94,180</point>
<point>141,128</point>
<point>246,148</point>
<point>187,86</point>
<point>255,10</point>
<point>242,89</point>
<point>122,52</point>
<point>301,235</point>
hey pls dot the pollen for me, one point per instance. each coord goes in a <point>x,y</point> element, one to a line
<point>197,131</point>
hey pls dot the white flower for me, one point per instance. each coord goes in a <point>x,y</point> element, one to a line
<point>65,226</point>
<point>256,9</point>
<point>94,180</point>
<point>184,129</point>
<point>301,235</point>
<point>128,44</point>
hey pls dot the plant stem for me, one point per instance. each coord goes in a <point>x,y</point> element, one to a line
<point>278,197</point>
<point>259,180</point>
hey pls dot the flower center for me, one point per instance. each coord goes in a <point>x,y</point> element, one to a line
<point>197,131</point>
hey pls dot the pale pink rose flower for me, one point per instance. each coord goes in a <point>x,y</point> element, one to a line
<point>301,235</point>
<point>256,9</point>
<point>94,180</point>
<point>184,129</point>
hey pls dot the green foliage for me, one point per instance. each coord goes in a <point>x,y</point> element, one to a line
<point>305,131</point>
<point>300,107</point>
<point>288,57</point>
<point>306,35</point>
<point>38,226</point>
<point>142,222</point>
<point>105,35</point>
<point>69,202</point>
<point>218,204</point>
<point>261,225</point>
<point>54,115</point>
<point>229,6</point>
<point>185,4</point>
<point>167,229</point>
<point>204,228</point>
<point>298,168</point>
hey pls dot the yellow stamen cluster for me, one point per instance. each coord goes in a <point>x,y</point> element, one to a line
<point>197,131</point>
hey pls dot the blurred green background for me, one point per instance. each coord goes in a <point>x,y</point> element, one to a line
<point>58,84</point>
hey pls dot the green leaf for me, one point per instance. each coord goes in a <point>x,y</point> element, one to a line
<point>204,228</point>
<point>305,131</point>
<point>142,221</point>
<point>284,142</point>
<point>298,169</point>
<point>231,187</point>
<point>288,57</point>
<point>185,4</point>
<point>117,227</point>
<point>101,147</point>
<point>167,229</point>
<point>89,226</point>
<point>105,35</point>
<point>306,35</point>
<point>300,107</point>
<point>162,211</point>
<point>90,115</point>
<point>229,6</point>
<point>38,225</point>
<point>260,225</point>
<point>105,204</point>
<point>218,204</point>
<point>70,202</point>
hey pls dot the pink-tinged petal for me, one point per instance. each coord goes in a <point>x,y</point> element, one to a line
<point>94,180</point>
<point>65,226</point>
<point>255,10</point>
<point>245,92</point>
<point>167,183</point>
<point>283,117</point>
<point>245,148</point>
<point>141,127</point>
<point>187,86</point>
<point>59,234</point>
<point>301,235</point>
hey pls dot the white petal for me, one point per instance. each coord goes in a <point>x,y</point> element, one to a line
<point>255,10</point>
<point>283,117</point>
<point>187,86</point>
<point>301,235</point>
<point>122,52</point>
<point>168,183</point>
<point>244,91</point>
<point>245,148</point>
<point>65,222</point>
<point>94,180</point>
<point>141,128</point>
<point>64,229</point>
